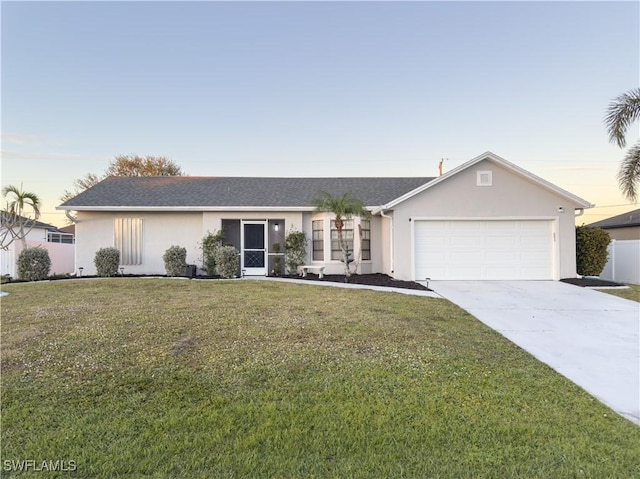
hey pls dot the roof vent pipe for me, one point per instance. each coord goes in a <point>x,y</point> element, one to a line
<point>442,160</point>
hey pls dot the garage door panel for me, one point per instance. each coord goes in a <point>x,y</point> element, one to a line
<point>534,226</point>
<point>465,242</point>
<point>501,241</point>
<point>455,227</point>
<point>500,227</point>
<point>492,257</point>
<point>536,258</point>
<point>491,250</point>
<point>534,241</point>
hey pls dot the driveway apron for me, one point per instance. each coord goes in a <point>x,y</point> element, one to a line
<point>590,337</point>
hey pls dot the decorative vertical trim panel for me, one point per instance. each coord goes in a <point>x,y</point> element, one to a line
<point>127,238</point>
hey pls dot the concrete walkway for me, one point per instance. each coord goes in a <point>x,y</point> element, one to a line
<point>590,337</point>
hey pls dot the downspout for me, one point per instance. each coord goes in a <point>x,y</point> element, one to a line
<point>75,250</point>
<point>68,215</point>
<point>390,218</point>
<point>580,212</point>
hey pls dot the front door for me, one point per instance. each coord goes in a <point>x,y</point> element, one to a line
<point>254,253</point>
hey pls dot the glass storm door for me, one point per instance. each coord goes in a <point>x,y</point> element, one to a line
<point>254,253</point>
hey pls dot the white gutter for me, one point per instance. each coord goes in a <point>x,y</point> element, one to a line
<point>187,208</point>
<point>390,218</point>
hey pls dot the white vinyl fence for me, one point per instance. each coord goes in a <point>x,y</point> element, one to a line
<point>62,257</point>
<point>624,262</point>
<point>8,262</point>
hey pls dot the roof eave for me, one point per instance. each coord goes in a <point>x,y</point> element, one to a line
<point>185,208</point>
<point>193,208</point>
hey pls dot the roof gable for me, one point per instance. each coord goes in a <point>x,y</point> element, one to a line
<point>579,202</point>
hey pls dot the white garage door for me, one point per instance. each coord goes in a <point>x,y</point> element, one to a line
<point>491,250</point>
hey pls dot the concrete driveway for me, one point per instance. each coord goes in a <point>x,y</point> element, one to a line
<point>590,337</point>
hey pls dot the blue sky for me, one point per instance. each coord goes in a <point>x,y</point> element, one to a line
<point>316,89</point>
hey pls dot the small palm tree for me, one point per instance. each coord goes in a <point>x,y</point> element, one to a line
<point>622,112</point>
<point>16,217</point>
<point>344,208</point>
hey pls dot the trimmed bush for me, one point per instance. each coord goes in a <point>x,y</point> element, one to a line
<point>227,261</point>
<point>175,260</point>
<point>295,250</point>
<point>107,261</point>
<point>591,250</point>
<point>34,264</point>
<point>209,245</point>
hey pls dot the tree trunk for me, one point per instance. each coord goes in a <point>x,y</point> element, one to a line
<point>343,248</point>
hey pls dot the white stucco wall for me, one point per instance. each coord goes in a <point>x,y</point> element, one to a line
<point>510,196</point>
<point>95,230</point>
<point>160,230</point>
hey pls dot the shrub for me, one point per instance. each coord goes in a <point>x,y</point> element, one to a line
<point>295,249</point>
<point>107,261</point>
<point>34,264</point>
<point>175,260</point>
<point>227,261</point>
<point>591,250</point>
<point>209,245</point>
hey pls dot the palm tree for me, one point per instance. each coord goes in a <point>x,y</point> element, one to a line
<point>622,112</point>
<point>344,208</point>
<point>17,216</point>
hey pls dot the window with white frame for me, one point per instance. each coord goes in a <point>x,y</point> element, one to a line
<point>365,239</point>
<point>347,235</point>
<point>317,237</point>
<point>127,238</point>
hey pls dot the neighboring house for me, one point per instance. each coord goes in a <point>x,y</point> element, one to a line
<point>69,229</point>
<point>623,264</point>
<point>59,244</point>
<point>486,219</point>
<point>622,227</point>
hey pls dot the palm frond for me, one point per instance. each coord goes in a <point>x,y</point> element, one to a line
<point>629,173</point>
<point>621,113</point>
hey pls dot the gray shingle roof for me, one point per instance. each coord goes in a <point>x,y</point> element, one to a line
<point>631,218</point>
<point>5,218</point>
<point>193,191</point>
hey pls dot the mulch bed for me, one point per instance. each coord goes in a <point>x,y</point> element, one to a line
<point>591,282</point>
<point>377,279</point>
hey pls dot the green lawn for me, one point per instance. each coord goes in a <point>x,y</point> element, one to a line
<point>179,378</point>
<point>632,293</point>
